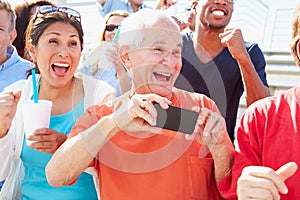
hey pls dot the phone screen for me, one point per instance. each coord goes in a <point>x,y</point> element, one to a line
<point>176,119</point>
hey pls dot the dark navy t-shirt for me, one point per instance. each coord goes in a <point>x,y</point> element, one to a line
<point>220,78</point>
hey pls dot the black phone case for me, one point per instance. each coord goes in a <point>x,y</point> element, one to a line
<point>176,119</point>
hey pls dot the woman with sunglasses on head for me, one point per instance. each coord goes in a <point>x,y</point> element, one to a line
<point>54,40</point>
<point>93,64</point>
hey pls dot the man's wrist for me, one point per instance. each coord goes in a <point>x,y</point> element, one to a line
<point>108,126</point>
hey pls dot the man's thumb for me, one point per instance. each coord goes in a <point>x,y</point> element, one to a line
<point>287,170</point>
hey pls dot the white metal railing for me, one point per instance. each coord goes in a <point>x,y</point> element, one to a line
<point>282,29</point>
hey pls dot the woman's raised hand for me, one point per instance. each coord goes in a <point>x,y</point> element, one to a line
<point>8,106</point>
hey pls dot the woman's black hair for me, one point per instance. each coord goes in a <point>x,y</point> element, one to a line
<point>38,25</point>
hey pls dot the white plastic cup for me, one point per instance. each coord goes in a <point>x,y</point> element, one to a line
<point>35,116</point>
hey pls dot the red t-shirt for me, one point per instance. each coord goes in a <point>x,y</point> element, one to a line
<point>269,135</point>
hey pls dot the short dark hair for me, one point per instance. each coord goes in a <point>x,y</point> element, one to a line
<point>4,5</point>
<point>37,26</point>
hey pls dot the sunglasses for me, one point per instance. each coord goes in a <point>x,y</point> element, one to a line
<point>46,9</point>
<point>111,27</point>
<point>187,9</point>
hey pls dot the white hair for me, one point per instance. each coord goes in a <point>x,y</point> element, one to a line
<point>132,34</point>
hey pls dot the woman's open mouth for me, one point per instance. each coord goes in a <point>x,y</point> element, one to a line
<point>60,69</point>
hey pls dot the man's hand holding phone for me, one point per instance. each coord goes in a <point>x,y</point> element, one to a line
<point>211,128</point>
<point>176,119</point>
<point>203,125</point>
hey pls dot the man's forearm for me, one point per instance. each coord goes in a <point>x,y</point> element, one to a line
<point>75,155</point>
<point>254,87</point>
<point>223,158</point>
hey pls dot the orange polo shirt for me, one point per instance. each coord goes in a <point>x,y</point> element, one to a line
<point>155,166</point>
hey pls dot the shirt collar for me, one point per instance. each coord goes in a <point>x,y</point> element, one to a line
<point>13,57</point>
<point>141,6</point>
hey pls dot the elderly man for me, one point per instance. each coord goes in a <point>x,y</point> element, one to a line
<point>134,158</point>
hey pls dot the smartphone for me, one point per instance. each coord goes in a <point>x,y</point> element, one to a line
<point>176,119</point>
